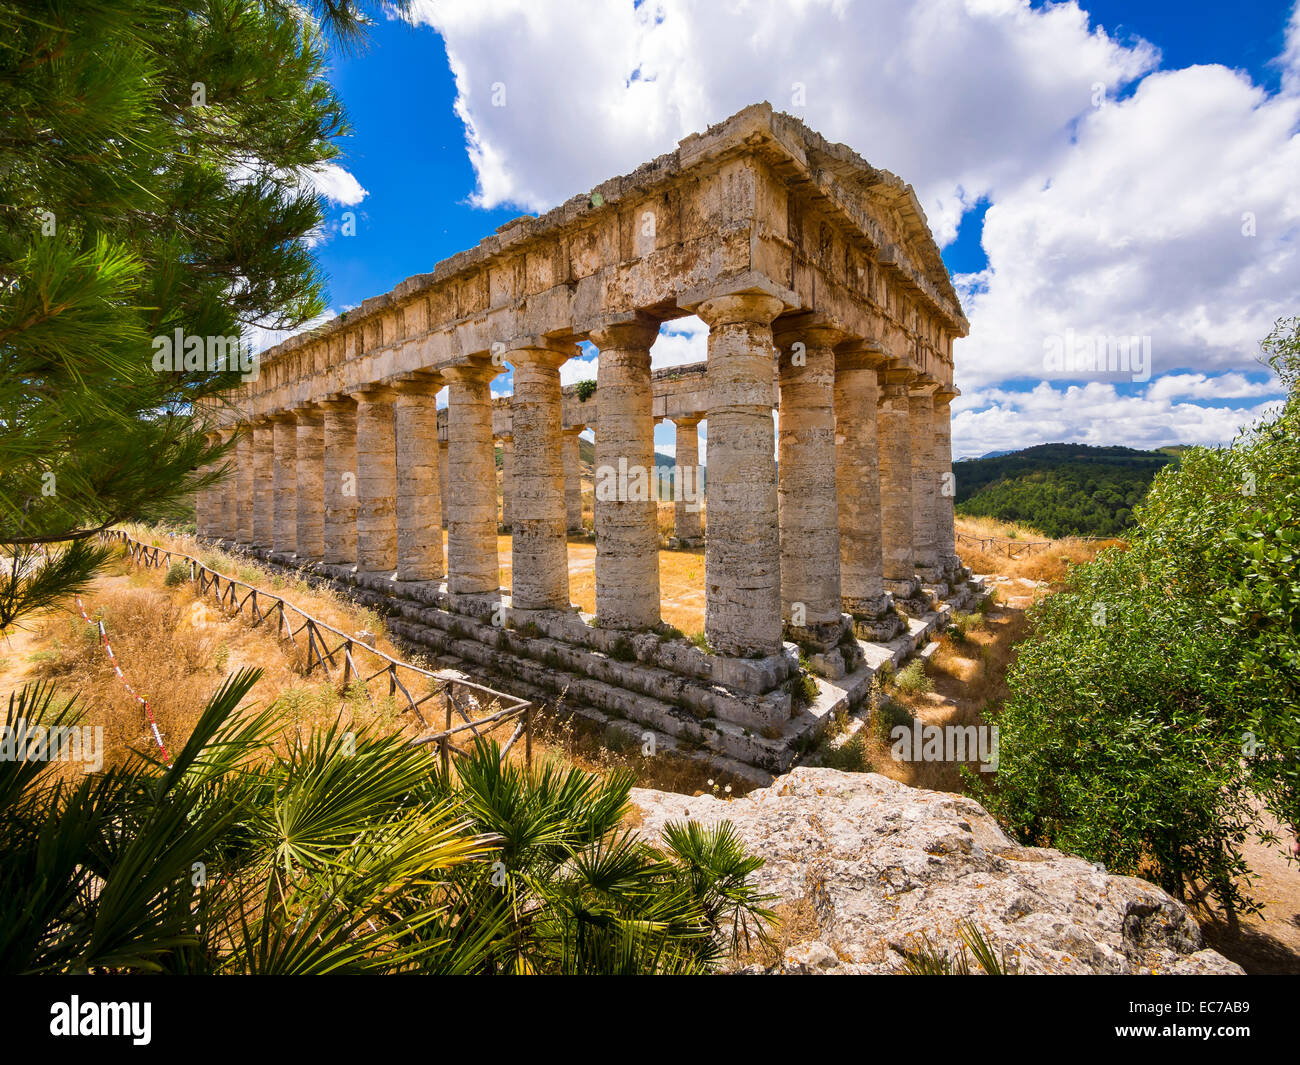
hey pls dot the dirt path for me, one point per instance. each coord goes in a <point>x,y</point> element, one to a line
<point>1269,941</point>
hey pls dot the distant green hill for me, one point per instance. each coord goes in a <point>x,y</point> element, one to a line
<point>1062,489</point>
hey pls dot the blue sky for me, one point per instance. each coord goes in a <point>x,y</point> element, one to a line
<point>1057,216</point>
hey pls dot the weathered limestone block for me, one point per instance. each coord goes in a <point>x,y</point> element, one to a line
<point>263,484</point>
<point>539,547</point>
<point>376,481</point>
<point>687,484</point>
<point>925,484</point>
<point>472,566</point>
<point>857,480</point>
<point>809,508</point>
<point>419,496</point>
<point>507,481</point>
<point>743,556</point>
<point>340,487</point>
<point>311,483</point>
<point>894,427</point>
<point>626,510</point>
<point>572,480</point>
<point>245,484</point>
<point>896,865</point>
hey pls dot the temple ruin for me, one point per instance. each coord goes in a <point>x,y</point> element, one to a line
<point>828,537</point>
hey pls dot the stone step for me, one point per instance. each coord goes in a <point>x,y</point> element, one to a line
<point>774,753</point>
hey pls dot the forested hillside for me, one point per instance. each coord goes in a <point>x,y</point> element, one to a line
<point>1061,489</point>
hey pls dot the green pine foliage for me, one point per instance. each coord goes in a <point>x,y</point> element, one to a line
<point>155,163</point>
<point>1160,691</point>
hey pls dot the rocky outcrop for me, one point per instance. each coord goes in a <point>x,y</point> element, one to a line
<point>877,867</point>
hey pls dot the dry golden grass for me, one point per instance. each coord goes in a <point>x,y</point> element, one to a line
<point>176,649</point>
<point>965,676</point>
<point>797,921</point>
<point>1048,564</point>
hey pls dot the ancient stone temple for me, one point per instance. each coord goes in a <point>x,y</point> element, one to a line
<point>828,536</point>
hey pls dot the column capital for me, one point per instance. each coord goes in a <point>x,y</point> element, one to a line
<point>812,328</point>
<point>686,421</point>
<point>281,417</point>
<point>309,413</point>
<point>859,353</point>
<point>418,385</point>
<point>376,393</point>
<point>897,379</point>
<point>336,403</point>
<point>923,387</point>
<point>945,394</point>
<point>539,351</point>
<point>474,371</point>
<point>747,297</point>
<point>631,329</point>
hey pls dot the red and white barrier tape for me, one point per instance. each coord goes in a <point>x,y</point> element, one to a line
<point>148,711</point>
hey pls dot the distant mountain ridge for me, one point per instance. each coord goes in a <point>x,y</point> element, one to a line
<point>1061,489</point>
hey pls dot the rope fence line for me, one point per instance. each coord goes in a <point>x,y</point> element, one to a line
<point>148,710</point>
<point>238,598</point>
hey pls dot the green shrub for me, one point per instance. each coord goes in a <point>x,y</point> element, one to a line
<point>803,689</point>
<point>912,679</point>
<point>177,573</point>
<point>1160,688</point>
<point>888,714</point>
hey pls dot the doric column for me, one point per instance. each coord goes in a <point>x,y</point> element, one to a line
<point>245,484</point>
<point>472,567</point>
<point>442,480</point>
<point>311,483</point>
<point>743,556</point>
<point>229,487</point>
<point>625,507</point>
<point>507,481</point>
<point>688,492</point>
<point>945,528</point>
<point>205,499</point>
<point>925,483</point>
<point>572,480</point>
<point>376,481</point>
<point>539,549</point>
<point>857,478</point>
<point>893,419</point>
<point>419,497</point>
<point>808,505</point>
<point>284,530</point>
<point>340,488</point>
<point>263,484</point>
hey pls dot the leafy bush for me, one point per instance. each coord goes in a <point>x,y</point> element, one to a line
<point>1162,686</point>
<point>888,714</point>
<point>177,573</point>
<point>912,678</point>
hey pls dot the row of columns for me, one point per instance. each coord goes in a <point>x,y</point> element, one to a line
<point>857,512</point>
